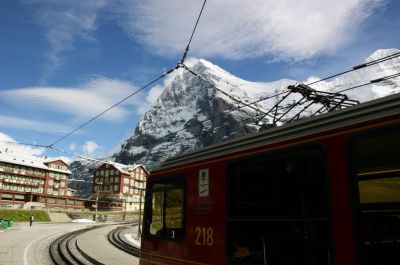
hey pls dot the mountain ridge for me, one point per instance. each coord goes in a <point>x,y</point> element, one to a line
<point>181,115</point>
<point>191,113</point>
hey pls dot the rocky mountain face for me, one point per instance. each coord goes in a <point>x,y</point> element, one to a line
<point>194,112</point>
<point>81,179</point>
<point>191,113</point>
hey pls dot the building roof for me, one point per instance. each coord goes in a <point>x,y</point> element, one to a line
<point>49,160</point>
<point>9,156</point>
<point>126,169</point>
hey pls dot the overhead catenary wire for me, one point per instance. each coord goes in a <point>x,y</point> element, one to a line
<point>238,100</point>
<point>269,97</point>
<point>51,146</point>
<point>267,113</point>
<point>377,80</point>
<point>223,113</point>
<point>360,66</point>
<point>243,104</point>
<point>26,144</point>
<point>110,108</point>
<point>102,160</point>
<point>192,35</point>
<point>179,65</point>
<point>142,88</point>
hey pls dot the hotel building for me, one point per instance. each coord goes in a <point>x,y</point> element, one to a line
<point>32,182</point>
<point>119,186</point>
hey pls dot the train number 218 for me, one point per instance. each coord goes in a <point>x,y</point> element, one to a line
<point>204,236</point>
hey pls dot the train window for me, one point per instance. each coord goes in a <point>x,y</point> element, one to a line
<point>378,168</point>
<point>277,209</point>
<point>377,173</point>
<point>165,204</point>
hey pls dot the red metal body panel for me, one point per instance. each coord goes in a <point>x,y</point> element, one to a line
<point>200,213</point>
<point>340,201</point>
<point>211,213</point>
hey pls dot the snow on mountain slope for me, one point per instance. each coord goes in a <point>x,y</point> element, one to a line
<point>190,113</point>
<point>364,75</point>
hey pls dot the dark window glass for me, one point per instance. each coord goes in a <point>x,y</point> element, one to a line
<point>165,208</point>
<point>377,173</point>
<point>277,206</point>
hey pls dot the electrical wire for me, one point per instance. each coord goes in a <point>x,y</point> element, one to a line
<point>266,98</point>
<point>104,160</point>
<point>262,99</point>
<point>193,31</point>
<point>110,108</point>
<point>17,143</point>
<point>142,88</point>
<point>372,82</point>
<point>221,114</point>
<point>220,90</point>
<point>181,64</point>
<point>360,66</point>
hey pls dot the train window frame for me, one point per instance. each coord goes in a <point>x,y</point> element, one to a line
<point>281,152</point>
<point>367,213</point>
<point>165,233</point>
<point>315,149</point>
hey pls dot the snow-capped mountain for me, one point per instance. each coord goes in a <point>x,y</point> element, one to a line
<point>365,75</point>
<point>82,177</point>
<point>194,112</point>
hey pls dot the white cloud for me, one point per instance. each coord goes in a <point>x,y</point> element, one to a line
<point>283,29</point>
<point>90,147</point>
<point>151,97</point>
<point>154,93</point>
<point>64,22</point>
<point>72,147</point>
<point>82,102</point>
<point>29,124</point>
<point>7,141</point>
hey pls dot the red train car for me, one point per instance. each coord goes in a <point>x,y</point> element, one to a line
<point>323,190</point>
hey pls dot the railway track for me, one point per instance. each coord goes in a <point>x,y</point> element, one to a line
<point>118,239</point>
<point>65,250</point>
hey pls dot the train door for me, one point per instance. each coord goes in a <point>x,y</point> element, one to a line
<point>164,207</point>
<point>278,209</point>
<point>376,175</point>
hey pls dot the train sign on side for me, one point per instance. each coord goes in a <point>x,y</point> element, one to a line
<point>204,183</point>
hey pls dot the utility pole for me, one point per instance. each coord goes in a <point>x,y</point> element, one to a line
<point>97,206</point>
<point>139,232</point>
<point>124,215</point>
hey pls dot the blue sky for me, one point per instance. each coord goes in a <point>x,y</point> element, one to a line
<point>64,62</point>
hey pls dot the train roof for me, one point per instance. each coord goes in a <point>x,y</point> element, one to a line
<point>366,111</point>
